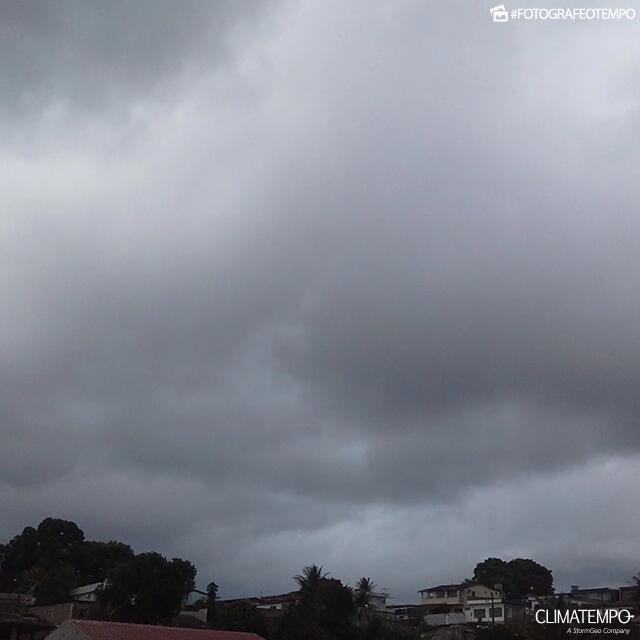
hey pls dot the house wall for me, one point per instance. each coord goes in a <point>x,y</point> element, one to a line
<point>440,619</point>
<point>480,591</point>
<point>441,597</point>
<point>484,606</point>
<point>458,595</point>
<point>87,592</point>
<point>57,613</point>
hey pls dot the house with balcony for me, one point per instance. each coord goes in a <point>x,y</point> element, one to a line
<point>455,595</point>
<point>461,603</point>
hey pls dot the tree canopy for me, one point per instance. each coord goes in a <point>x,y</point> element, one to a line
<point>325,609</point>
<point>518,577</point>
<point>51,559</point>
<point>147,588</point>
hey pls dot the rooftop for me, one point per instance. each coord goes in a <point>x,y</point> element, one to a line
<point>444,587</point>
<point>100,630</point>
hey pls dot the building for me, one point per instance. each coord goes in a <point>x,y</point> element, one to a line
<point>406,613</point>
<point>499,611</point>
<point>99,630</point>
<point>17,622</point>
<point>455,595</point>
<point>87,592</point>
<point>378,601</point>
<point>23,627</point>
<point>446,604</point>
<point>56,614</point>
<point>467,603</point>
<point>280,602</point>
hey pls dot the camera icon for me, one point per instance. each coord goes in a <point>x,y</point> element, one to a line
<point>499,13</point>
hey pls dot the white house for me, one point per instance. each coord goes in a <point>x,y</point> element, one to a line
<point>87,592</point>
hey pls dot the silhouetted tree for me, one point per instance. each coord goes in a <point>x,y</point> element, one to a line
<point>148,588</point>
<point>325,609</point>
<point>362,593</point>
<point>212,612</point>
<point>240,616</point>
<point>518,577</point>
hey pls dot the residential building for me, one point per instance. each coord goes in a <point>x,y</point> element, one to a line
<point>279,602</point>
<point>17,621</point>
<point>406,613</point>
<point>56,614</point>
<point>455,595</point>
<point>483,610</point>
<point>87,592</point>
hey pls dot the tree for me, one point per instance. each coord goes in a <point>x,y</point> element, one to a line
<point>148,588</point>
<point>58,541</point>
<point>97,559</point>
<point>363,591</point>
<point>212,612</point>
<point>54,584</point>
<point>18,557</point>
<point>529,577</point>
<point>43,560</point>
<point>240,616</point>
<point>493,571</point>
<point>51,559</point>
<point>518,577</point>
<point>336,607</point>
<point>310,578</point>
<point>325,609</point>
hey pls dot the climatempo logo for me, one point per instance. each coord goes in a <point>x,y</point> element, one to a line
<point>499,13</point>
<point>588,617</point>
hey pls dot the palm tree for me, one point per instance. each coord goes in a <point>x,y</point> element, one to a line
<point>363,592</point>
<point>310,578</point>
<point>212,607</point>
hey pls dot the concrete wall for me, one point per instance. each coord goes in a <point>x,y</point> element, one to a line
<point>58,613</point>
<point>439,619</point>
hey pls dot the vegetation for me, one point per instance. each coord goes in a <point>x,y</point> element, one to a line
<point>240,616</point>
<point>51,559</point>
<point>518,577</point>
<point>148,588</point>
<point>54,557</point>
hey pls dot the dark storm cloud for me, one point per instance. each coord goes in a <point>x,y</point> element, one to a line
<point>94,54</point>
<point>352,274</point>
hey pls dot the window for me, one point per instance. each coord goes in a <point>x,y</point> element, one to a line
<point>496,612</point>
<point>478,614</point>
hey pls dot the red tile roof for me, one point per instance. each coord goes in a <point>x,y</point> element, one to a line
<point>99,630</point>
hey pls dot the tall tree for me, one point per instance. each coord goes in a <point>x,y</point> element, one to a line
<point>212,607</point>
<point>325,609</point>
<point>518,577</point>
<point>98,558</point>
<point>363,591</point>
<point>148,588</point>
<point>530,577</point>
<point>240,616</point>
<point>310,578</point>
<point>43,560</point>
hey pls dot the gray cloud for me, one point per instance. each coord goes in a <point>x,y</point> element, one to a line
<point>330,275</point>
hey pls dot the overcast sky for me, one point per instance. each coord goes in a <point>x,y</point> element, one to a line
<point>345,283</point>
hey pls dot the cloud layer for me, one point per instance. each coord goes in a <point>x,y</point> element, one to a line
<point>321,283</point>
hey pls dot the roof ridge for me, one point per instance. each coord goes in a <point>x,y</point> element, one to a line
<point>79,622</point>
